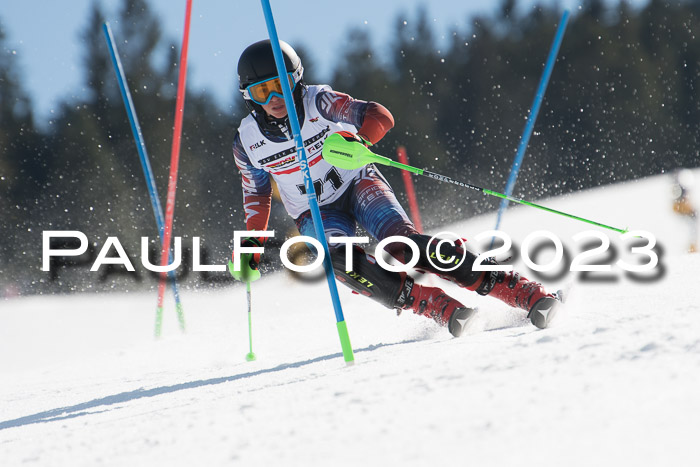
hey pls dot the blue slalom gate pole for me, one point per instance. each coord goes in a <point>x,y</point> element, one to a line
<point>143,155</point>
<point>534,110</point>
<point>308,182</point>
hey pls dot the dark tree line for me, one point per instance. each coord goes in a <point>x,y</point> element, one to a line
<point>622,103</point>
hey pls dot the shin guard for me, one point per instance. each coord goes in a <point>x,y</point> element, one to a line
<point>367,278</point>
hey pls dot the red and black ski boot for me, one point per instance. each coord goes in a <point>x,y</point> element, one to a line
<point>399,291</point>
<point>519,292</point>
<point>434,303</point>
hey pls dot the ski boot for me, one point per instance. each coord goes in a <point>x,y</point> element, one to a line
<point>398,291</point>
<point>519,292</point>
<point>509,287</point>
<point>432,302</point>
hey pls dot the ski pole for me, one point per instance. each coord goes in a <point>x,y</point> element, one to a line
<point>349,154</point>
<point>250,356</point>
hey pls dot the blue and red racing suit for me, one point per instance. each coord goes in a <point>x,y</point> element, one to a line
<point>345,197</point>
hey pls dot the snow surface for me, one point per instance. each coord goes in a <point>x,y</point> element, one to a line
<point>614,382</point>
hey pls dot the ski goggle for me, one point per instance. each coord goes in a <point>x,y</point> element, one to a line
<point>262,91</point>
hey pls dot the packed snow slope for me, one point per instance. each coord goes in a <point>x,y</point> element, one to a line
<point>614,382</point>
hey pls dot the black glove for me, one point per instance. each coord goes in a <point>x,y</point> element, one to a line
<point>249,262</point>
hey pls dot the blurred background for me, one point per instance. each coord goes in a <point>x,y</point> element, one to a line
<point>622,103</point>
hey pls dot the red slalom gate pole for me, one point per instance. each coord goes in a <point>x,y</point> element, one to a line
<point>172,178</point>
<point>410,190</point>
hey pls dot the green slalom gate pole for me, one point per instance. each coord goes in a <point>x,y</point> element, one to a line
<point>346,154</point>
<point>250,356</point>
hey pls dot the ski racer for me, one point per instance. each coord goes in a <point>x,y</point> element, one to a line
<point>264,149</point>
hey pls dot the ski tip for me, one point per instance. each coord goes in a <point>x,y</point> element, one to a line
<point>544,311</point>
<point>461,320</point>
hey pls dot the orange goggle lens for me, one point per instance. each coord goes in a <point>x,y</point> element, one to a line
<point>262,92</point>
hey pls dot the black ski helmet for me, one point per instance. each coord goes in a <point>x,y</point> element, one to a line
<point>257,63</point>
